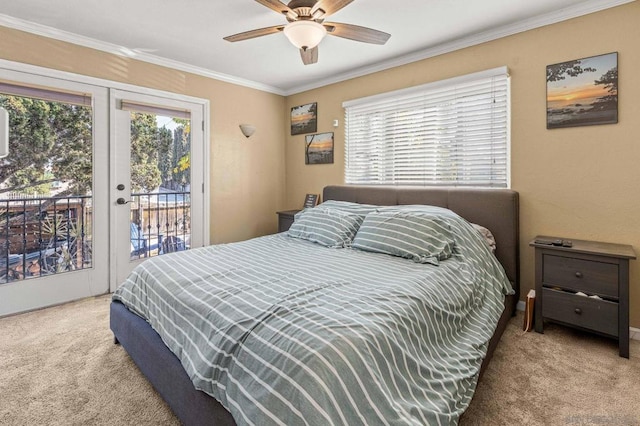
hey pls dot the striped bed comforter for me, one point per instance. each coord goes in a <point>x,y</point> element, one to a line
<point>285,331</point>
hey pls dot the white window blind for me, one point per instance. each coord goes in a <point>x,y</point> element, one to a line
<point>45,94</point>
<point>453,132</point>
<point>154,109</point>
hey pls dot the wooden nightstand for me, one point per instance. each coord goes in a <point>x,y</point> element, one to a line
<point>593,268</point>
<point>285,219</point>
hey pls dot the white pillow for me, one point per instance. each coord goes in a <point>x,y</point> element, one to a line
<point>487,235</point>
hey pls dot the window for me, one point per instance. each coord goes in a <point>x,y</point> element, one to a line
<point>46,182</point>
<point>453,132</point>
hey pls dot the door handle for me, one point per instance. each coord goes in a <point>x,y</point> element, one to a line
<point>121,201</point>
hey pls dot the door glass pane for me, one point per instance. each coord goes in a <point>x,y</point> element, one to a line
<point>160,185</point>
<point>45,187</point>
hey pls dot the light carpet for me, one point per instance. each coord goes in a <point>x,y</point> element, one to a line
<point>59,366</point>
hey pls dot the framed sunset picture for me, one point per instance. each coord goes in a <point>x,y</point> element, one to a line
<point>304,119</point>
<point>319,148</point>
<point>583,92</point>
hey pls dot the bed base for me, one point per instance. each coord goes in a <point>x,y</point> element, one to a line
<point>164,371</point>
<point>495,209</point>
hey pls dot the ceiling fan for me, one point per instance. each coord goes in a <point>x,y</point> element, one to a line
<point>306,27</point>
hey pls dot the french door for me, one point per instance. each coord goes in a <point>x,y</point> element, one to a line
<point>157,191</point>
<point>97,180</point>
<point>53,192</point>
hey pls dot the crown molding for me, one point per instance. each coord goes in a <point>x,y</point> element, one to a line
<point>49,32</point>
<point>575,11</point>
<point>584,8</point>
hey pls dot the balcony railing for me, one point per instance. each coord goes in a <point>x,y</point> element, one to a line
<point>44,235</point>
<point>160,223</point>
<point>50,235</point>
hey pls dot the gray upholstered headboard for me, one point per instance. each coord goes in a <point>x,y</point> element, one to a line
<point>495,209</point>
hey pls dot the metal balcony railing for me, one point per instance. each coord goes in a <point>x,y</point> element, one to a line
<point>44,235</point>
<point>160,223</point>
<point>50,235</point>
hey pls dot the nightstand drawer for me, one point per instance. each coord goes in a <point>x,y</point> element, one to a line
<point>588,276</point>
<point>585,312</point>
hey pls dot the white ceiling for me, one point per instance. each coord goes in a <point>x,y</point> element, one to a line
<point>188,34</point>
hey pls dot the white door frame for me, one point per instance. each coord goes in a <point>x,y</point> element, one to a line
<point>34,293</point>
<point>26,73</point>
<point>120,174</point>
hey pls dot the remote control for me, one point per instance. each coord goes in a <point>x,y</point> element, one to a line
<point>543,241</point>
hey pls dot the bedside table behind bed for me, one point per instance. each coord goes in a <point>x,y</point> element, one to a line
<point>285,219</point>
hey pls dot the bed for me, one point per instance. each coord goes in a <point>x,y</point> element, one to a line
<point>495,209</point>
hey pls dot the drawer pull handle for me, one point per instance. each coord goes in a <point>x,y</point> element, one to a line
<point>579,274</point>
<point>578,311</point>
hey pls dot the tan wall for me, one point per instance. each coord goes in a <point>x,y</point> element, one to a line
<point>581,183</point>
<point>247,175</point>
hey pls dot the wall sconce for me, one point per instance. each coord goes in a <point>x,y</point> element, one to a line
<point>247,129</point>
<point>4,132</point>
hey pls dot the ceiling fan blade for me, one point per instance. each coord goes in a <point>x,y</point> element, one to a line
<point>329,6</point>
<point>279,7</point>
<point>357,33</point>
<point>255,33</point>
<point>309,56</point>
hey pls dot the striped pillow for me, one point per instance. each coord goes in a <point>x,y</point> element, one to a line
<point>349,207</point>
<point>328,227</point>
<point>420,236</point>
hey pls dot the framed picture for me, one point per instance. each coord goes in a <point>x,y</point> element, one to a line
<point>319,148</point>
<point>311,200</point>
<point>304,119</point>
<point>583,92</point>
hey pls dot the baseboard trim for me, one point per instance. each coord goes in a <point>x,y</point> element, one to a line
<point>634,333</point>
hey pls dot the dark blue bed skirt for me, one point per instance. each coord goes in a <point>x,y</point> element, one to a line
<point>164,371</point>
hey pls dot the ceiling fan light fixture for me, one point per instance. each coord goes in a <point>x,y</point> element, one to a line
<point>305,34</point>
